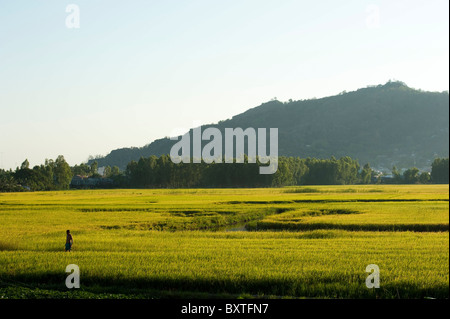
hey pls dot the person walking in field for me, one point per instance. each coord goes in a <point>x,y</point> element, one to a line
<point>69,241</point>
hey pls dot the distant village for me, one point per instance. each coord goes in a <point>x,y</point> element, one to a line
<point>84,182</point>
<point>87,182</point>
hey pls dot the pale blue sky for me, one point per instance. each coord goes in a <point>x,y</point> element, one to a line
<point>136,71</point>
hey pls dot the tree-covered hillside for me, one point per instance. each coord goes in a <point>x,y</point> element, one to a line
<point>386,125</point>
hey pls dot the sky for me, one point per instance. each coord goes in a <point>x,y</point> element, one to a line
<point>85,77</point>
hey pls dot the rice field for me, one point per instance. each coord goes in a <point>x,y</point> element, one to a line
<point>368,216</point>
<point>303,242</point>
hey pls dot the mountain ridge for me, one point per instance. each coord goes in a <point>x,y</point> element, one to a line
<point>384,125</point>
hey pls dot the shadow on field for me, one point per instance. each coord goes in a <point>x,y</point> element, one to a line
<point>326,201</point>
<point>350,227</point>
<point>8,246</point>
<point>327,286</point>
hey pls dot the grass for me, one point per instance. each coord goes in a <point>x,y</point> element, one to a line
<point>367,216</point>
<point>172,243</point>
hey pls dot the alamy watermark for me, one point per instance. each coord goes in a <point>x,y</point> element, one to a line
<point>373,280</point>
<point>73,19</point>
<point>73,279</point>
<point>212,151</point>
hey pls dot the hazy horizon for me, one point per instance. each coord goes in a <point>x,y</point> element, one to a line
<point>133,73</point>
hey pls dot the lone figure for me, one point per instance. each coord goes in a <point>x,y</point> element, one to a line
<point>69,241</point>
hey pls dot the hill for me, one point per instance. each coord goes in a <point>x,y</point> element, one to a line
<point>384,125</point>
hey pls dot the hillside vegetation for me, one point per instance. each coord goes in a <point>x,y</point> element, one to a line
<point>386,125</point>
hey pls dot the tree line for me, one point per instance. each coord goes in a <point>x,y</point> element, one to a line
<point>53,175</point>
<point>161,172</point>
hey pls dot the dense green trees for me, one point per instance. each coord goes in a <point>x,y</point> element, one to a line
<point>8,182</point>
<point>366,174</point>
<point>424,178</point>
<point>411,176</point>
<point>82,170</point>
<point>439,174</point>
<point>439,171</point>
<point>161,172</point>
<point>62,173</point>
<point>332,172</point>
<point>53,175</point>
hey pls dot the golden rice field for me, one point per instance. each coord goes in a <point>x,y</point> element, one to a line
<point>304,242</point>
